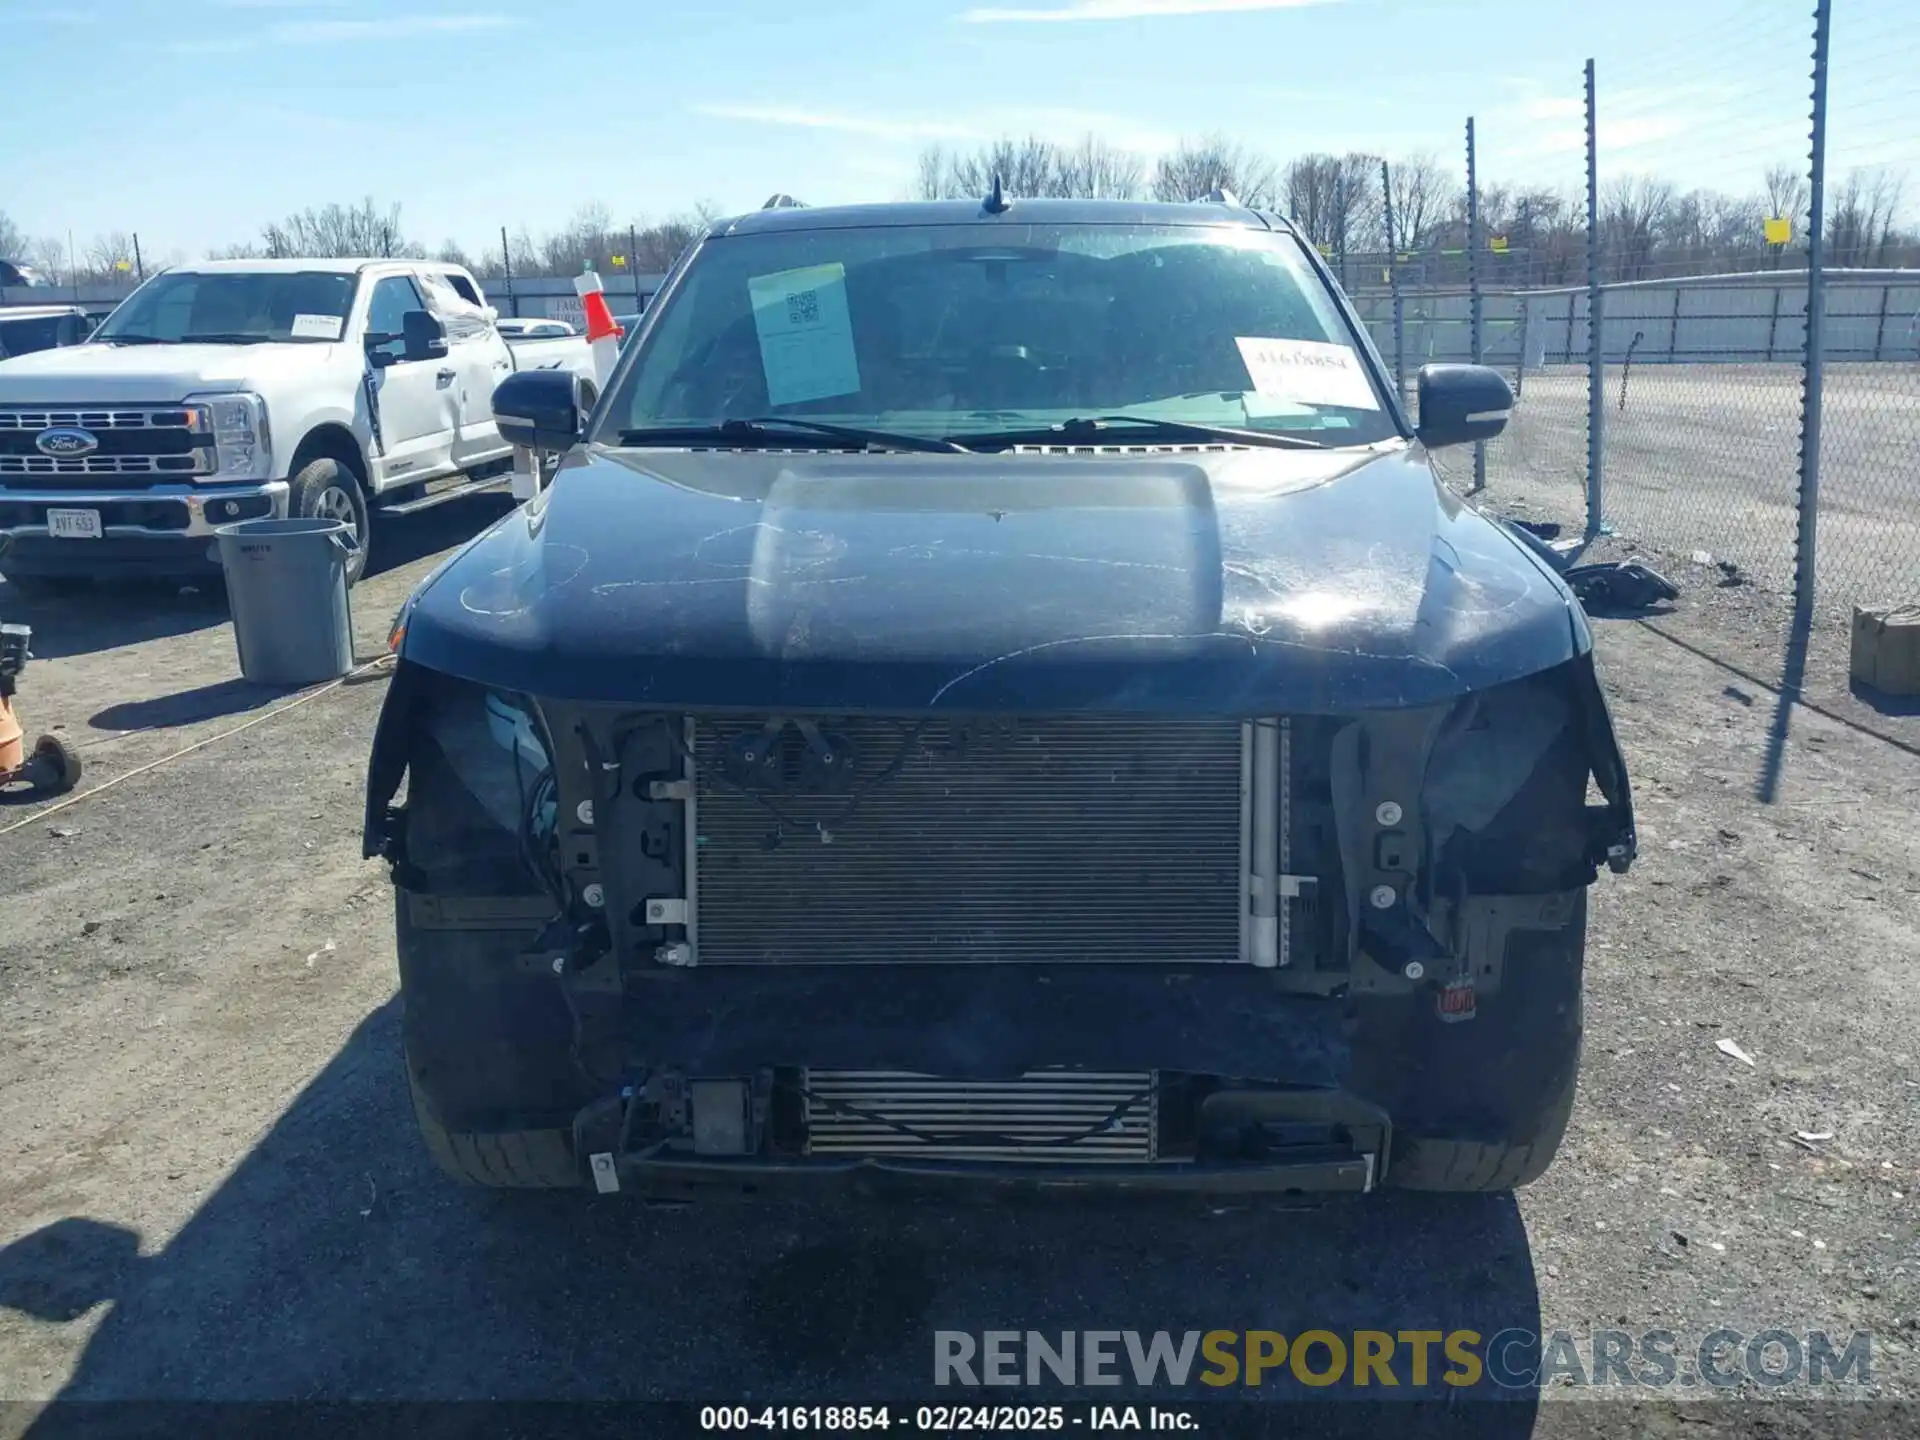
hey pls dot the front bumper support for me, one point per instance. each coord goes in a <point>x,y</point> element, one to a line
<point>678,1178</point>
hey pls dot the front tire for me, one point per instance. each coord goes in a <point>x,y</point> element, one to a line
<point>326,489</point>
<point>1481,1105</point>
<point>500,1159</point>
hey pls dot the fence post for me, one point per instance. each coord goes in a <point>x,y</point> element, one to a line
<point>1473,294</point>
<point>506,263</point>
<point>1815,361</point>
<point>1673,332</point>
<point>1596,330</point>
<point>1879,334</point>
<point>1393,285</point>
<point>1526,327</point>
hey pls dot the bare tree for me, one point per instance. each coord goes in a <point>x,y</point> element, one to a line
<point>338,231</point>
<point>1032,167</point>
<point>1095,170</point>
<point>108,257</point>
<point>13,240</point>
<point>1335,200</point>
<point>1789,197</point>
<point>1632,210</point>
<point>1424,196</point>
<point>1197,167</point>
<point>1860,221</point>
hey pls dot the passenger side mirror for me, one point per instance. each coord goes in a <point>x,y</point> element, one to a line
<point>423,336</point>
<point>537,409</point>
<point>1462,403</point>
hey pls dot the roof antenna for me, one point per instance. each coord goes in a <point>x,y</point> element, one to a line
<point>996,201</point>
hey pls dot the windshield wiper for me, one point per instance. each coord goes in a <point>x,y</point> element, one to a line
<point>130,340</point>
<point>771,429</point>
<point>222,337</point>
<point>1103,427</point>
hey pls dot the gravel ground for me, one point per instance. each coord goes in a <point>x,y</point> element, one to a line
<point>210,1188</point>
<point>1708,458</point>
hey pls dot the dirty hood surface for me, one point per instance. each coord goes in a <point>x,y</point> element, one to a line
<point>1206,582</point>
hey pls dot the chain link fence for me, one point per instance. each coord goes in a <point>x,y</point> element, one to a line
<point>1869,485</point>
<point>1703,367</point>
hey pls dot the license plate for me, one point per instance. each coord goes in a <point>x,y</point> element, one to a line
<point>74,524</point>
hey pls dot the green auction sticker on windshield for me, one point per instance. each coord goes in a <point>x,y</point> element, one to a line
<point>1307,372</point>
<point>806,335</point>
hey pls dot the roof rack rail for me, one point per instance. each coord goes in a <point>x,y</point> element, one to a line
<point>782,201</point>
<point>1220,195</point>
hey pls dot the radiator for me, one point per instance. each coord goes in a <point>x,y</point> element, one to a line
<point>1018,840</point>
<point>1068,1117</point>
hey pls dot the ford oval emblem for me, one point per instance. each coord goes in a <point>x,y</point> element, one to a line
<point>66,440</point>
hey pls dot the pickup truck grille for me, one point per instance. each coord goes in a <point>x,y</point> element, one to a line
<point>948,841</point>
<point>1065,1116</point>
<point>152,444</point>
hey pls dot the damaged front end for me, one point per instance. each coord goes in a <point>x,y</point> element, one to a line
<point>1031,950</point>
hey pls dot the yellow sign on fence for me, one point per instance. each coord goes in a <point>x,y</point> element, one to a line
<point>1778,229</point>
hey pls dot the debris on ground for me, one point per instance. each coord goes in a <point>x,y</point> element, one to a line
<point>1814,1134</point>
<point>1729,1047</point>
<point>1622,585</point>
<point>1702,557</point>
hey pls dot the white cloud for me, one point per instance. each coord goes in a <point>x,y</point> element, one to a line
<point>1064,126</point>
<point>877,127</point>
<point>1127,10</point>
<point>392,27</point>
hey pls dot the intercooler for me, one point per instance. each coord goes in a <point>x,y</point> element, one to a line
<point>1071,1117</point>
<point>871,840</point>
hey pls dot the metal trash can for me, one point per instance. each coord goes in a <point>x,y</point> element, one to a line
<point>287,587</point>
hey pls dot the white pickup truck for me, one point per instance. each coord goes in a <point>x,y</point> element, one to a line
<point>247,389</point>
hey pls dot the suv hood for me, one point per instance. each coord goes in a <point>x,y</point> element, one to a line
<point>157,374</point>
<point>1244,582</point>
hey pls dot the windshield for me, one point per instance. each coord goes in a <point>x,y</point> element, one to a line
<point>974,330</point>
<point>234,308</point>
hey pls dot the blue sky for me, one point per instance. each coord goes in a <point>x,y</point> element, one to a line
<point>195,121</point>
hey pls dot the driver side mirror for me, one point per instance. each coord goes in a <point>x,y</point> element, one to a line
<point>1462,403</point>
<point>423,336</point>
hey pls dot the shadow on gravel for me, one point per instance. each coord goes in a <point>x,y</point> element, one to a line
<point>92,618</point>
<point>1883,703</point>
<point>401,540</point>
<point>335,1264</point>
<point>189,707</point>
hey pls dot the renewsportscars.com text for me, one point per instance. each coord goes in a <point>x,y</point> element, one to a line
<point>1417,1359</point>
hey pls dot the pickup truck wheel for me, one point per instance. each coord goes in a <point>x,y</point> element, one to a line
<point>327,490</point>
<point>499,1160</point>
<point>1481,1104</point>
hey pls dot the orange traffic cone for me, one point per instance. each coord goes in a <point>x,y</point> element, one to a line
<point>603,335</point>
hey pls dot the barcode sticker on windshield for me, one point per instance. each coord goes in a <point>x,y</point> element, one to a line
<point>317,327</point>
<point>806,334</point>
<point>1307,372</point>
